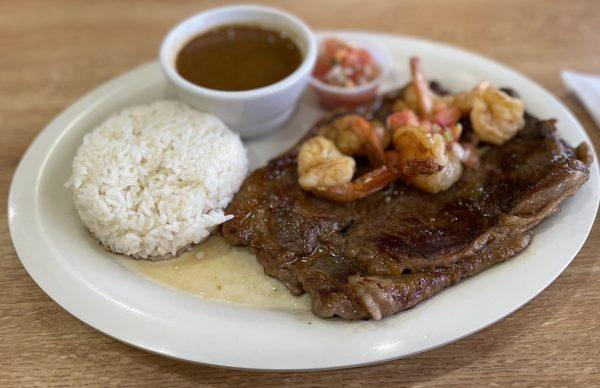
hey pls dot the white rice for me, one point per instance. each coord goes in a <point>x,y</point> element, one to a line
<point>153,179</point>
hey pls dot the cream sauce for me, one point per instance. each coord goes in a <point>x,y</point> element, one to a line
<point>216,270</point>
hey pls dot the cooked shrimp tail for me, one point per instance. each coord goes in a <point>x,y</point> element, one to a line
<point>413,144</point>
<point>361,187</point>
<point>421,87</point>
<point>411,167</point>
<point>371,142</point>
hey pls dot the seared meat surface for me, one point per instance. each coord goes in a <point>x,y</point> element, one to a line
<point>386,253</point>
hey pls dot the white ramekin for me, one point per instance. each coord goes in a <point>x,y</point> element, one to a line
<point>251,112</point>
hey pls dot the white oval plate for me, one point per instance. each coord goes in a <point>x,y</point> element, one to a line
<point>88,282</point>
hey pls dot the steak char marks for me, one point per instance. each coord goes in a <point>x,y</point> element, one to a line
<point>386,253</point>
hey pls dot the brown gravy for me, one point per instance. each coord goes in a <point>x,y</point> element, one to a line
<point>238,57</point>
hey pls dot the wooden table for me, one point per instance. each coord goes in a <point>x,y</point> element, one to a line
<point>51,52</point>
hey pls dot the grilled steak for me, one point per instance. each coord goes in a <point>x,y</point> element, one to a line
<point>386,253</point>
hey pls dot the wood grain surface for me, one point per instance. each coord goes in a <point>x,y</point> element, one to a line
<point>52,52</point>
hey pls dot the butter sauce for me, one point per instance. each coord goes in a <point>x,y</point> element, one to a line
<point>216,270</point>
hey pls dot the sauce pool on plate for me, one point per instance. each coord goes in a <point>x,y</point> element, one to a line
<point>238,57</point>
<point>215,270</point>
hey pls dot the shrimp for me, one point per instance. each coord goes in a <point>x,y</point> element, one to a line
<point>418,97</point>
<point>426,141</point>
<point>321,164</point>
<point>421,158</point>
<point>495,116</point>
<point>425,159</point>
<point>355,135</point>
<point>327,173</point>
<point>424,144</point>
<point>449,175</point>
<point>397,167</point>
<point>362,187</point>
<point>433,135</point>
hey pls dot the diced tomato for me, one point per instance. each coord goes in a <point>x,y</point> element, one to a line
<point>330,46</point>
<point>401,119</point>
<point>447,116</point>
<point>322,66</point>
<point>364,57</point>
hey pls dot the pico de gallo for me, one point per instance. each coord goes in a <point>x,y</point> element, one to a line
<point>345,65</point>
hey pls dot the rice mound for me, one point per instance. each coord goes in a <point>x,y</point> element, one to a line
<point>153,179</point>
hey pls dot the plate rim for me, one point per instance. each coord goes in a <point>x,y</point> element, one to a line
<point>104,90</point>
